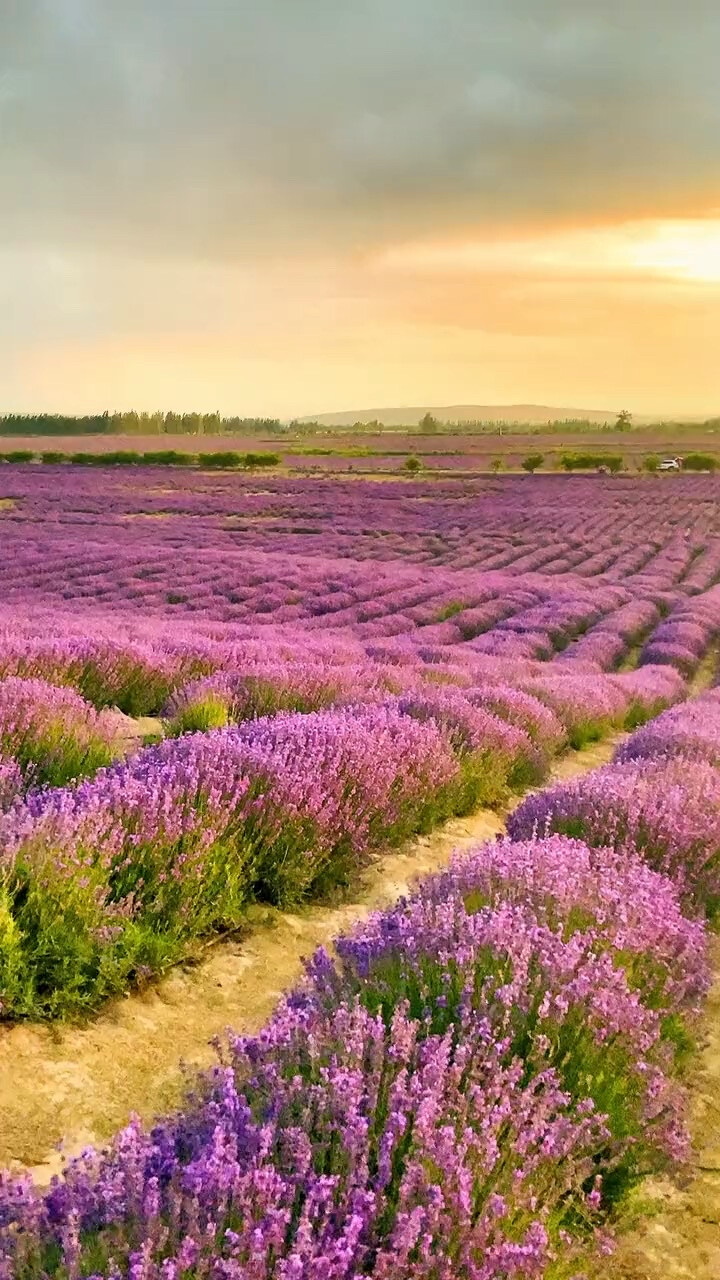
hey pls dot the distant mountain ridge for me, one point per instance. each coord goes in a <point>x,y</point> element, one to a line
<point>410,416</point>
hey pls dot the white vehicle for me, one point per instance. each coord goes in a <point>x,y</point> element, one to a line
<point>669,464</point>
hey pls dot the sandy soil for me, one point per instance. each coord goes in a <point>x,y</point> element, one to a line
<point>75,1085</point>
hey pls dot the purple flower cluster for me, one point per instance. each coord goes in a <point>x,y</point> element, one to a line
<point>136,677</point>
<point>587,705</point>
<point>331,1147</point>
<point>52,733</point>
<point>569,884</point>
<point>255,688</point>
<point>690,730</point>
<point>523,710</point>
<point>490,747</point>
<point>665,810</point>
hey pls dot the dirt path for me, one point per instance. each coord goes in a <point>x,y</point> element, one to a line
<point>77,1085</point>
<point>677,1232</point>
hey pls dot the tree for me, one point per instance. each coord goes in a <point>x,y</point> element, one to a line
<point>429,425</point>
<point>532,462</point>
<point>624,420</point>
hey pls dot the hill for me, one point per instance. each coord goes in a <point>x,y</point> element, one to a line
<point>410,416</point>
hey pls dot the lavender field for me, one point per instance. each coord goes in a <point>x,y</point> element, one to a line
<point>220,691</point>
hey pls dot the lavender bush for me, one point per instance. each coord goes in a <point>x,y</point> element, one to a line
<point>52,733</point>
<point>668,811</point>
<point>691,730</point>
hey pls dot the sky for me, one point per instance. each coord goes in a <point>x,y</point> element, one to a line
<point>291,206</point>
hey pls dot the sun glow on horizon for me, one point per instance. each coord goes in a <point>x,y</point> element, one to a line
<point>672,249</point>
<point>688,250</point>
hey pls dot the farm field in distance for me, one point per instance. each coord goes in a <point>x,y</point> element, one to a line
<point>387,451</point>
<point>226,693</point>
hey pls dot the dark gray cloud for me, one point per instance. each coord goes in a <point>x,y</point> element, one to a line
<point>218,128</point>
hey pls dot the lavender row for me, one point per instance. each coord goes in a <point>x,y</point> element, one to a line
<point>465,1090</point>
<point>139,665</point>
<point>684,638</point>
<point>660,797</point>
<point>109,880</point>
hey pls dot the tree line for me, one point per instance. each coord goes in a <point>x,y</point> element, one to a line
<point>132,423</point>
<point>226,460</point>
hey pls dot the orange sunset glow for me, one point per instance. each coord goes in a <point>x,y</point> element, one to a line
<point>286,209</point>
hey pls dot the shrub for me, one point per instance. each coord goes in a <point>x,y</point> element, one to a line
<point>524,710</point>
<point>587,707</point>
<point>253,460</point>
<point>52,456</point>
<point>118,458</point>
<point>130,676</point>
<point>264,688</point>
<point>332,1146</point>
<point>167,458</point>
<point>591,461</point>
<point>690,730</point>
<point>532,462</point>
<point>699,462</point>
<point>571,887</point>
<point>494,755</point>
<point>19,455</point>
<point>229,459</point>
<point>412,464</point>
<point>557,1002</point>
<point>651,463</point>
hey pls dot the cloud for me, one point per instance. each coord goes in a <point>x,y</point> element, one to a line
<point>227,128</point>
<point>281,205</point>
